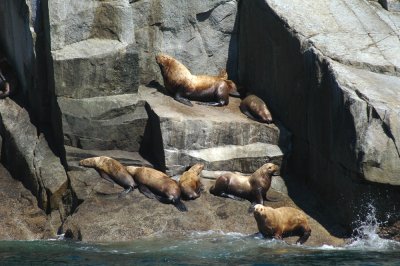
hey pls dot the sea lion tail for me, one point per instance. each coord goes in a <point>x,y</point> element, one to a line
<point>180,206</point>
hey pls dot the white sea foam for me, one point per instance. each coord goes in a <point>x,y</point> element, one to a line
<point>367,237</point>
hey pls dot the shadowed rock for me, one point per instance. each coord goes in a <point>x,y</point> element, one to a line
<point>19,207</point>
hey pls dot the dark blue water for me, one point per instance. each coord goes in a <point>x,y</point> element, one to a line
<point>198,249</point>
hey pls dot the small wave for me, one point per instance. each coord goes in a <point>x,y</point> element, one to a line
<point>366,235</point>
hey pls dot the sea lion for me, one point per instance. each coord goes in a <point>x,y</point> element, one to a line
<point>111,170</point>
<point>4,86</point>
<point>190,183</point>
<point>211,90</point>
<point>253,188</point>
<point>280,221</point>
<point>256,109</point>
<point>156,184</point>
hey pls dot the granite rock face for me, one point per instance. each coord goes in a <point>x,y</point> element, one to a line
<point>29,158</point>
<point>390,5</point>
<point>201,34</point>
<point>95,74</point>
<point>339,99</point>
<point>19,207</point>
<point>222,138</point>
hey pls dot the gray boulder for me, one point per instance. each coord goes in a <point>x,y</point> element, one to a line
<point>338,97</point>
<point>103,123</point>
<point>29,158</point>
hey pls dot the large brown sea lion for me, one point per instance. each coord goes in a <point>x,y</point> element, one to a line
<point>190,183</point>
<point>256,109</point>
<point>156,184</point>
<point>111,170</point>
<point>211,90</point>
<point>253,188</point>
<point>281,221</point>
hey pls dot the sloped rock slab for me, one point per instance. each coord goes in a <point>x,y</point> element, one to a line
<point>103,123</point>
<point>29,158</point>
<point>220,137</point>
<point>106,217</point>
<point>20,217</point>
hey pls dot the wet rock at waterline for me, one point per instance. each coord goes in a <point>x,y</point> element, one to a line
<point>103,216</point>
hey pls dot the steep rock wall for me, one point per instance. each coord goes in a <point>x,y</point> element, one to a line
<point>330,71</point>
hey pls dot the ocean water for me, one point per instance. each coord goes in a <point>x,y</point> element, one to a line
<point>205,248</point>
<point>198,249</point>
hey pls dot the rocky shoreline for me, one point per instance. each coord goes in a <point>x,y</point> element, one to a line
<point>90,86</point>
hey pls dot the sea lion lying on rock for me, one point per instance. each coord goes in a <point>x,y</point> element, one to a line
<point>156,184</point>
<point>111,170</point>
<point>211,90</point>
<point>190,183</point>
<point>253,188</point>
<point>256,109</point>
<point>281,221</point>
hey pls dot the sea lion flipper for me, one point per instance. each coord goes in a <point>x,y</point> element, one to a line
<point>180,206</point>
<point>226,195</point>
<point>183,100</point>
<point>209,103</point>
<point>106,177</point>
<point>124,192</point>
<point>248,114</point>
<point>145,191</point>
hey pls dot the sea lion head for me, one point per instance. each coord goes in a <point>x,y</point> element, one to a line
<point>162,59</point>
<point>260,211</point>
<point>197,168</point>
<point>270,169</point>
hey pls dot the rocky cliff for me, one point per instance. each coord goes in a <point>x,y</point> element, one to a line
<point>332,77</point>
<point>90,86</point>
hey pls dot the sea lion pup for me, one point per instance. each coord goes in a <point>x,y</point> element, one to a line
<point>253,188</point>
<point>156,184</point>
<point>256,109</point>
<point>178,81</point>
<point>190,183</point>
<point>111,170</point>
<point>280,221</point>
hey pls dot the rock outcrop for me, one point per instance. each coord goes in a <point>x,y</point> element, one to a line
<point>339,98</point>
<point>104,216</point>
<point>20,217</point>
<point>222,138</point>
<point>29,158</point>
